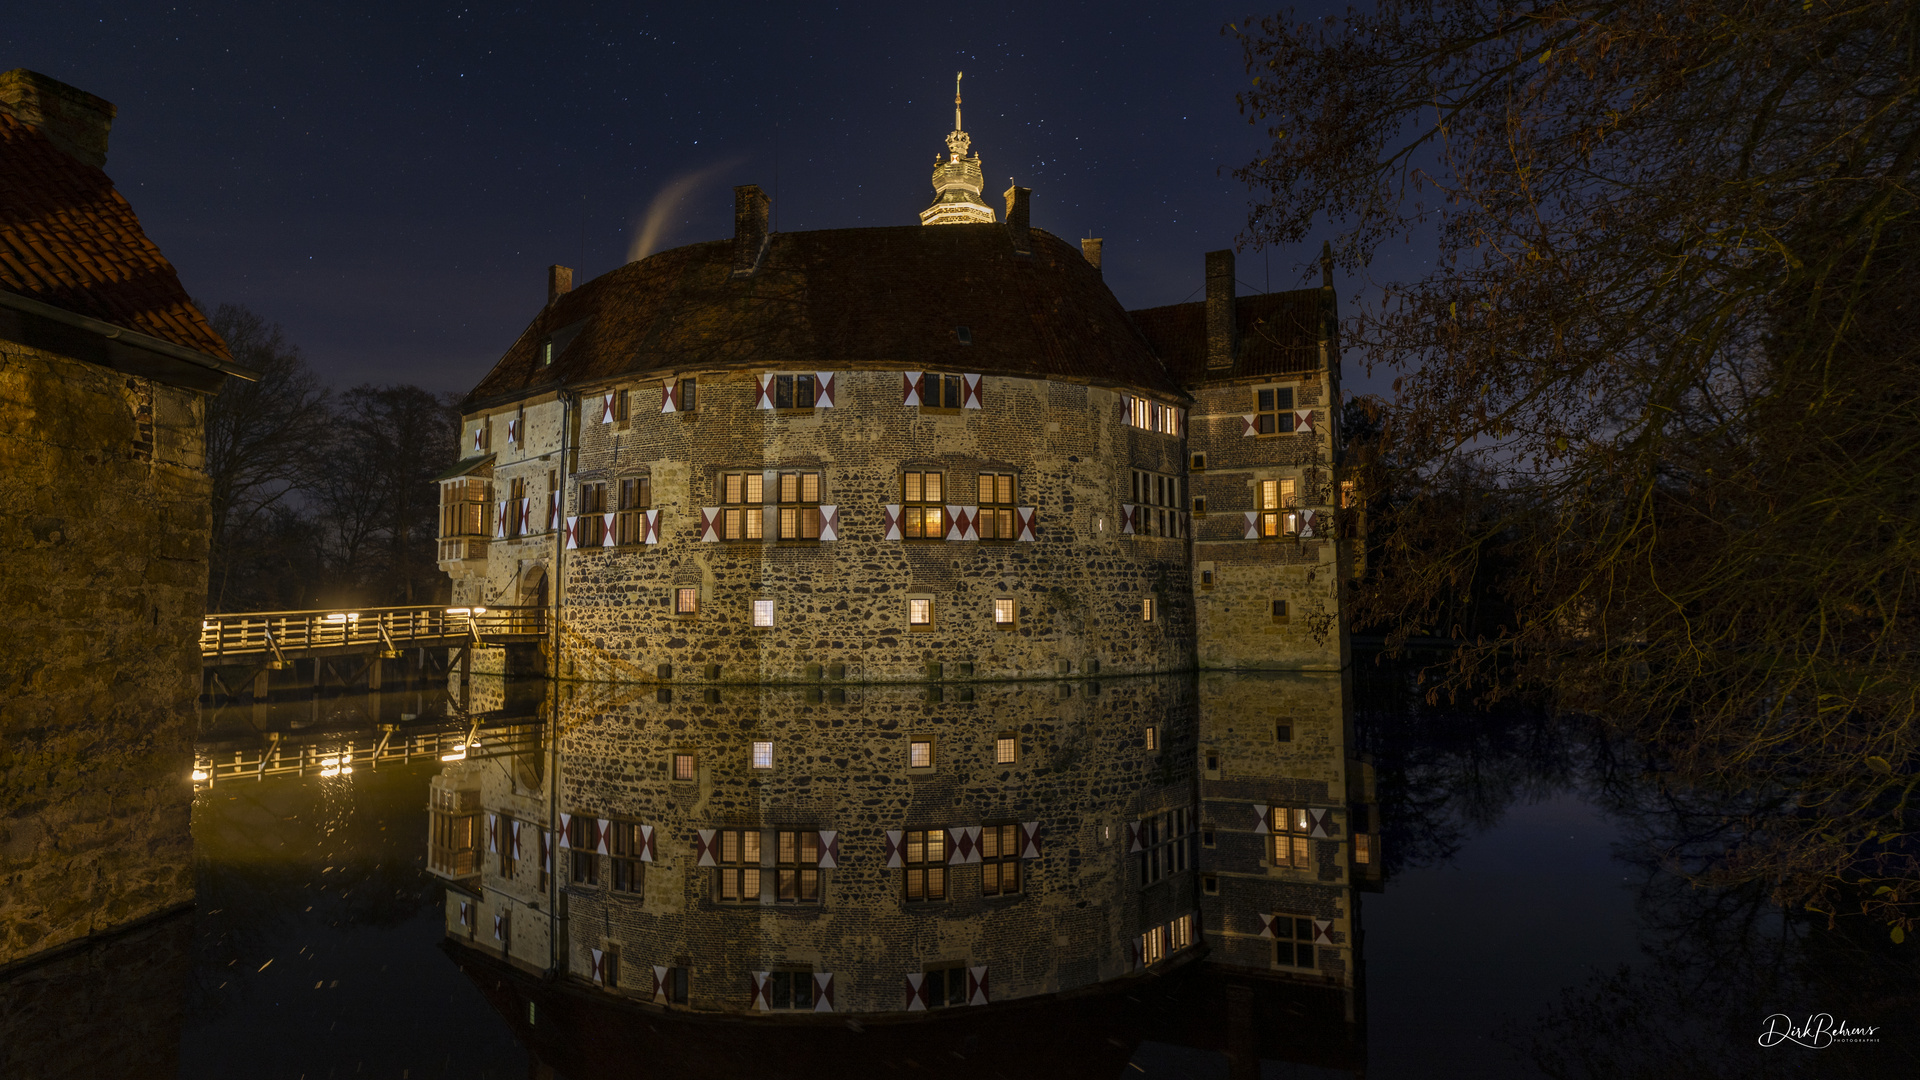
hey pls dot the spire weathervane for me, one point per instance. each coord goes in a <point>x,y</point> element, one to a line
<point>957,179</point>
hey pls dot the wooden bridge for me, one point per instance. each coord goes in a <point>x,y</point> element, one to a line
<point>331,754</point>
<point>278,636</point>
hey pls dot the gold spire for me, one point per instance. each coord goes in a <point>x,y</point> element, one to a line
<point>956,180</point>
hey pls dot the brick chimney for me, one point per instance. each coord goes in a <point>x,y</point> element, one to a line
<point>1019,226</point>
<point>559,282</point>
<point>70,118</point>
<point>750,206</point>
<point>1090,247</point>
<point>1223,333</point>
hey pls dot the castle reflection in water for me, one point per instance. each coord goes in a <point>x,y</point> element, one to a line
<point>1039,876</point>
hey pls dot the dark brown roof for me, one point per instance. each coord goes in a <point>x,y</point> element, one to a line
<point>1279,335</point>
<point>841,299</point>
<point>68,239</point>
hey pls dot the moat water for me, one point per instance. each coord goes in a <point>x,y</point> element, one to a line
<point>1526,925</point>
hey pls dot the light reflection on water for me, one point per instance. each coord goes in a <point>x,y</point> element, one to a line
<point>1518,869</point>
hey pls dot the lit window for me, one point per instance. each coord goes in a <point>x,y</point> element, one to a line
<point>1275,519</point>
<point>763,755</point>
<point>744,494</point>
<point>546,353</point>
<point>1153,738</point>
<point>686,601</point>
<point>920,612</point>
<point>1287,828</point>
<point>797,866</point>
<point>1180,933</point>
<point>922,505</point>
<point>1273,409</point>
<point>999,860</point>
<point>920,754</point>
<point>1005,748</point>
<point>1362,848</point>
<point>995,496</point>
<point>629,872</point>
<point>581,838</point>
<point>1003,612</point>
<point>1153,946</point>
<point>763,613</point>
<point>683,766</point>
<point>739,869</point>
<point>799,506</point>
<point>1146,609</point>
<point>925,859</point>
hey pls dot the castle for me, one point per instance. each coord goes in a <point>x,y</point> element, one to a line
<point>848,536</point>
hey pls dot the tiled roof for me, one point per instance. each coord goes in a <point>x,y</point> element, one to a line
<point>68,239</point>
<point>1279,335</point>
<point>836,299</point>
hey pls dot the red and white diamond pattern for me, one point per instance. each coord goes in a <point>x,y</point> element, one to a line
<point>566,831</point>
<point>526,516</point>
<point>761,996</point>
<point>1135,833</point>
<point>499,928</point>
<point>1303,422</point>
<point>606,407</point>
<point>894,848</point>
<point>977,985</point>
<point>513,431</point>
<point>893,521</point>
<point>916,992</point>
<point>602,832</point>
<point>710,524</point>
<point>659,982</point>
<point>766,393</point>
<point>607,533</point>
<point>647,849</point>
<point>829,522</point>
<point>829,849</point>
<point>493,834</point>
<point>1253,526</point>
<point>1318,820</point>
<point>1023,523</point>
<point>500,520</point>
<point>1260,811</point>
<point>970,391</point>
<point>703,842</point>
<point>1126,518</point>
<point>1029,839</point>
<point>479,435</point>
<point>909,391</point>
<point>963,522</point>
<point>670,395</point>
<point>823,991</point>
<point>573,532</point>
<point>1266,925</point>
<point>1249,425</point>
<point>823,389</point>
<point>599,965</point>
<point>652,519</point>
<point>1306,524</point>
<point>965,841</point>
<point>1323,931</point>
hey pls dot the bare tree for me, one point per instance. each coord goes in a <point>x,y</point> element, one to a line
<point>1657,408</point>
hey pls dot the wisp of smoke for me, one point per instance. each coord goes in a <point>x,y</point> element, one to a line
<point>654,225</point>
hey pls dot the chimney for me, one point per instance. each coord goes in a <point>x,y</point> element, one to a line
<point>1091,249</point>
<point>70,118</point>
<point>749,228</point>
<point>1222,329</point>
<point>1018,225</point>
<point>559,282</point>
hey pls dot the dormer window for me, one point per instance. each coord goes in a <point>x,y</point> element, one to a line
<point>546,353</point>
<point>964,334</point>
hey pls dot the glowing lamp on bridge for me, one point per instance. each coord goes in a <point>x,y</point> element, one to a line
<point>340,617</point>
<point>199,774</point>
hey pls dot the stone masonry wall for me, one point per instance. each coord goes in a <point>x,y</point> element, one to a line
<point>840,763</point>
<point>104,521</point>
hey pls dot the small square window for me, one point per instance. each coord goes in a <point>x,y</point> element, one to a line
<point>964,333</point>
<point>1210,885</point>
<point>1003,610</point>
<point>1206,579</point>
<point>1199,461</point>
<point>1153,737</point>
<point>1280,611</point>
<point>920,754</point>
<point>1283,733</point>
<point>763,613</point>
<point>1146,609</point>
<point>1213,762</point>
<point>1005,748</point>
<point>920,612</point>
<point>1206,836</point>
<point>683,766</point>
<point>763,754</point>
<point>686,601</point>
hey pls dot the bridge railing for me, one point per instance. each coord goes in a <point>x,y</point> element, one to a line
<point>255,633</point>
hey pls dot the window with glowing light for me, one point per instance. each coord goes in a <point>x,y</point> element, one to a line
<point>924,856</point>
<point>922,505</point>
<point>737,876</point>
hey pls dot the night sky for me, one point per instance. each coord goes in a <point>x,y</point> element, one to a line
<point>390,181</point>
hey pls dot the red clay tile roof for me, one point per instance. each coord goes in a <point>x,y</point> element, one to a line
<point>1279,335</point>
<point>68,239</point>
<point>886,298</point>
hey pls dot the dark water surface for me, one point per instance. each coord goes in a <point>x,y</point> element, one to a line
<point>1525,928</point>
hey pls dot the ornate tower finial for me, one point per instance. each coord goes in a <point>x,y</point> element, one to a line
<point>957,179</point>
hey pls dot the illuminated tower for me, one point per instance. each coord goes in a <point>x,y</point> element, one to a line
<point>956,180</point>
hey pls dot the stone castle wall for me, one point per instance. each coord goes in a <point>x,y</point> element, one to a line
<point>104,518</point>
<point>1084,772</point>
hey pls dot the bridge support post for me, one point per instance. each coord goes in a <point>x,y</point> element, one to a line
<point>374,668</point>
<point>262,689</point>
